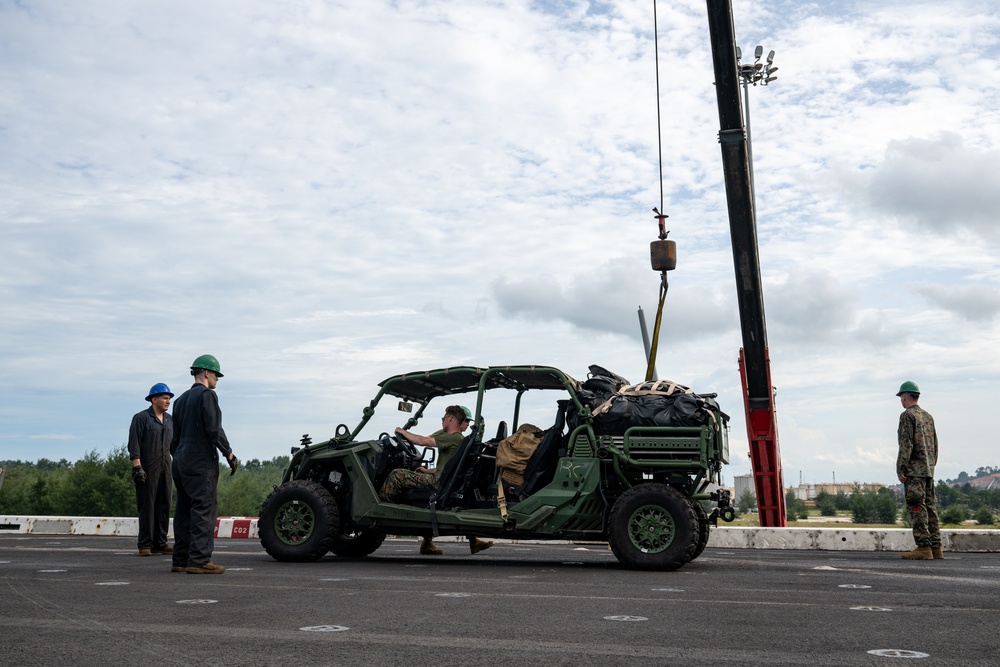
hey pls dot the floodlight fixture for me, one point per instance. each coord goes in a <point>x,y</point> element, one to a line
<point>753,75</point>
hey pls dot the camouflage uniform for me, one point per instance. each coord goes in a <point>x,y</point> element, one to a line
<point>918,453</point>
<point>400,479</point>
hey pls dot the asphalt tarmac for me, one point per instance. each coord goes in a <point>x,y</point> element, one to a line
<point>76,600</point>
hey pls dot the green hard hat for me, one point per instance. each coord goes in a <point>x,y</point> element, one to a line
<point>468,413</point>
<point>208,363</point>
<point>908,387</point>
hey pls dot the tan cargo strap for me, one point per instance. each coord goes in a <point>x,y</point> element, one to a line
<point>643,389</point>
<point>501,499</point>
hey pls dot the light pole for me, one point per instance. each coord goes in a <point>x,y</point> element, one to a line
<point>756,74</point>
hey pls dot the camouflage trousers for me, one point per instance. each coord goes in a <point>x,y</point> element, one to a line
<point>922,506</point>
<point>400,479</point>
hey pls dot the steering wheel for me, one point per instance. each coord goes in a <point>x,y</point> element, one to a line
<point>405,444</point>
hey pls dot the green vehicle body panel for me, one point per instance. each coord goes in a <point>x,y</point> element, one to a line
<point>592,471</point>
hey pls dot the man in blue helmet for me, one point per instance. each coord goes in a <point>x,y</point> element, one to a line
<point>149,439</point>
<point>198,440</point>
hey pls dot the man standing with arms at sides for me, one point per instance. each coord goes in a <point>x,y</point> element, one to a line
<point>198,440</point>
<point>918,453</point>
<point>149,438</point>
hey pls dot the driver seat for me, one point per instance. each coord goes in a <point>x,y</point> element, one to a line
<point>445,481</point>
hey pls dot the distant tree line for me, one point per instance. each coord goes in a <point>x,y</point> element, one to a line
<point>99,485</point>
<point>885,505</point>
<point>983,471</point>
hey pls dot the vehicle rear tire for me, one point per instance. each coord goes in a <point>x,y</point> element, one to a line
<point>298,522</point>
<point>653,527</point>
<point>703,528</point>
<point>357,544</point>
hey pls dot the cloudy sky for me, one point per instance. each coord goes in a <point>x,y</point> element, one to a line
<point>324,194</point>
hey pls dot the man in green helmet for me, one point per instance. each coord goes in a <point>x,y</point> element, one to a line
<point>446,440</point>
<point>198,440</point>
<point>918,453</point>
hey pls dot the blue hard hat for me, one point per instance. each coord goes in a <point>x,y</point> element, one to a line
<point>157,389</point>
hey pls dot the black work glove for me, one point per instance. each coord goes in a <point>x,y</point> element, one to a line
<point>138,474</point>
<point>234,463</point>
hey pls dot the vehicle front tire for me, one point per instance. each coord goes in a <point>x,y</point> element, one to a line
<point>298,522</point>
<point>653,527</point>
<point>357,544</point>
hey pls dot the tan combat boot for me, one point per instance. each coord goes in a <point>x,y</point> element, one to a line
<point>920,553</point>
<point>427,548</point>
<point>938,553</point>
<point>476,545</point>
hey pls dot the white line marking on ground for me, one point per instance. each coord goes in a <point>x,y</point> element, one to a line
<point>898,653</point>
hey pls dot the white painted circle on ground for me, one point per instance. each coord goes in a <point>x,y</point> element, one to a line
<point>4,562</point>
<point>826,567</point>
<point>870,609</point>
<point>723,553</point>
<point>625,618</point>
<point>52,570</point>
<point>521,576</point>
<point>238,569</point>
<point>451,595</point>
<point>853,586</point>
<point>669,590</point>
<point>898,653</point>
<point>581,549</point>
<point>989,567</point>
<point>333,579</point>
<point>112,583</point>
<point>324,628</point>
<point>197,601</point>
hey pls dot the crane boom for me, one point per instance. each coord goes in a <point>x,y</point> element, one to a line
<point>754,362</point>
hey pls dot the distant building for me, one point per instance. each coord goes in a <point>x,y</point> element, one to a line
<point>742,483</point>
<point>810,491</point>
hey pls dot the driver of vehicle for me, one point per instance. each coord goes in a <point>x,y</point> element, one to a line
<point>446,440</point>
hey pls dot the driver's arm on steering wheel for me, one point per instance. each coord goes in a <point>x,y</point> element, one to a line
<point>421,440</point>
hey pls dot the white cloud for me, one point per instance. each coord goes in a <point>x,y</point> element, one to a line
<point>324,195</point>
<point>972,302</point>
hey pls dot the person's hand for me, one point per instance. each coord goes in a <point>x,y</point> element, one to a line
<point>138,474</point>
<point>234,463</point>
<point>902,478</point>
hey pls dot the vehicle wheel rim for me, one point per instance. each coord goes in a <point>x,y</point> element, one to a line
<point>651,529</point>
<point>294,522</point>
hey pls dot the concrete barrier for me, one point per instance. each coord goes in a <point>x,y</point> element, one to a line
<point>809,539</point>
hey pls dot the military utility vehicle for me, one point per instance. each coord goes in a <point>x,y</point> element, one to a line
<point>605,468</point>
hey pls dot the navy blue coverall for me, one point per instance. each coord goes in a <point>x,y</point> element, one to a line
<point>198,440</point>
<point>149,440</point>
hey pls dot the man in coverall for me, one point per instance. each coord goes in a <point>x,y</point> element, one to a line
<point>149,438</point>
<point>918,453</point>
<point>198,440</point>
